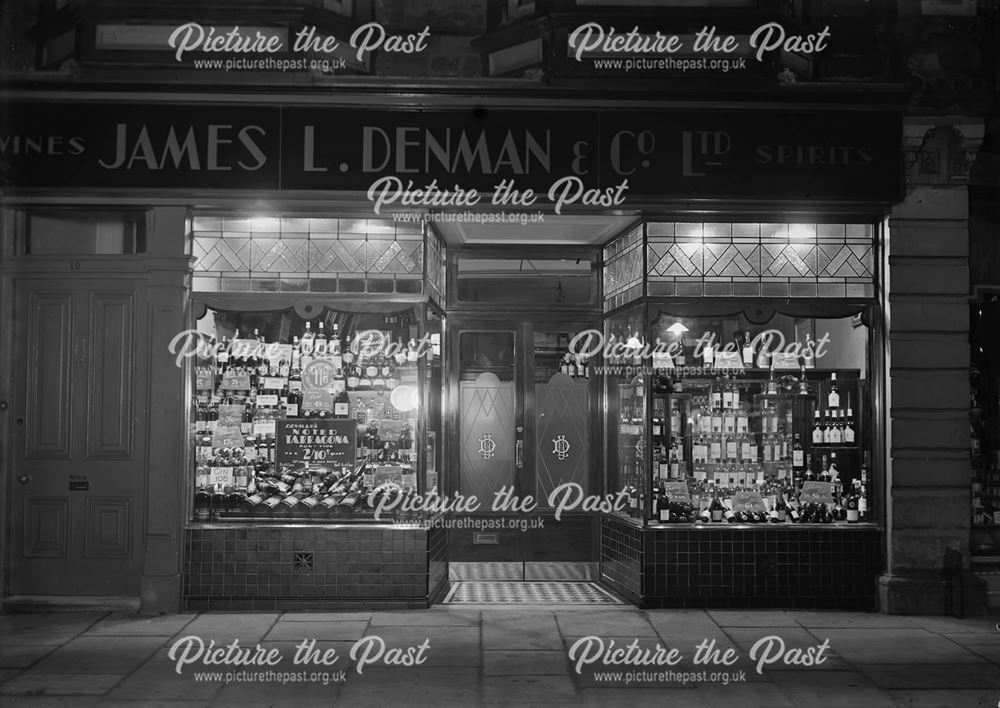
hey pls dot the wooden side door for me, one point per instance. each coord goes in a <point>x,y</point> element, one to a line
<point>77,490</point>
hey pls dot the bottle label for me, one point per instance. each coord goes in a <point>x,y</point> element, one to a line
<point>833,400</point>
<point>862,505</point>
<point>745,451</point>
<point>731,449</point>
<point>342,409</point>
<point>716,451</point>
<point>849,435</point>
<point>727,399</point>
<point>716,400</point>
<point>664,513</point>
<point>852,514</point>
<point>797,458</point>
<point>716,423</point>
<point>817,436</point>
<point>741,424</point>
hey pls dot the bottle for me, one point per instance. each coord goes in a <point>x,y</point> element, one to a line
<point>716,510</point>
<point>772,383</point>
<point>817,434</point>
<point>837,434</point>
<point>708,355</point>
<point>319,344</point>
<point>306,347</point>
<point>849,427</point>
<point>747,351</point>
<point>664,508</point>
<point>716,400</point>
<point>851,503</point>
<point>727,393</point>
<point>334,348</point>
<point>824,475</point>
<point>675,464</point>
<point>798,461</point>
<point>827,430</point>
<point>803,384</point>
<point>833,397</point>
<point>342,405</point>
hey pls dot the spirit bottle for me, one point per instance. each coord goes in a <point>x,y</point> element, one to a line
<point>849,427</point>
<point>817,434</point>
<point>772,383</point>
<point>320,344</point>
<point>747,351</point>
<point>803,384</point>
<point>833,398</point>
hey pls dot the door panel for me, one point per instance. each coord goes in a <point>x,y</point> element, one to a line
<point>79,439</point>
<point>562,440</point>
<point>109,384</point>
<point>486,436</point>
<point>47,408</point>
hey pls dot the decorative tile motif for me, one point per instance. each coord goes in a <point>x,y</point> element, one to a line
<point>766,260</point>
<point>435,275</point>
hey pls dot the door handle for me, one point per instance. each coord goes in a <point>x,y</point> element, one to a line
<point>519,449</point>
<point>23,478</point>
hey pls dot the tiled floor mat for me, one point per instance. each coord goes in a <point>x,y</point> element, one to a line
<point>528,593</point>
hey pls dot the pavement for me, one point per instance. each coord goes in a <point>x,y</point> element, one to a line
<point>469,656</point>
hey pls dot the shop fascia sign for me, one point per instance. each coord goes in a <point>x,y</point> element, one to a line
<point>454,159</point>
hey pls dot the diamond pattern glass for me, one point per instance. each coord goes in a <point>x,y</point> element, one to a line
<point>296,254</point>
<point>768,260</point>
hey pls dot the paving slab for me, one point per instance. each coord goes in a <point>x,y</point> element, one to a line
<point>936,676</point>
<point>411,687</point>
<point>944,699</point>
<point>542,689</point>
<point>156,680</point>
<point>434,617</point>
<point>754,618</point>
<point>850,620</point>
<point>829,689</point>
<point>583,624</point>
<point>777,645</point>
<point>525,663</point>
<point>125,624</point>
<point>48,701</point>
<point>899,646</point>
<point>60,684</point>
<point>224,627</point>
<point>114,655</point>
<point>51,628</point>
<point>320,631</point>
<point>332,616</point>
<point>20,656</point>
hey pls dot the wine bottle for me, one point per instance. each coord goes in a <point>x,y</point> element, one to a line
<point>798,461</point>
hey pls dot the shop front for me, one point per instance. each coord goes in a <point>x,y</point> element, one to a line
<point>675,382</point>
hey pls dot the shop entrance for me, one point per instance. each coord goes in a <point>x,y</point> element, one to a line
<point>524,445</point>
<point>78,430</point>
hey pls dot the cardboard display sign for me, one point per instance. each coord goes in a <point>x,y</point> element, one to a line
<point>816,492</point>
<point>749,501</point>
<point>316,441</point>
<point>677,491</point>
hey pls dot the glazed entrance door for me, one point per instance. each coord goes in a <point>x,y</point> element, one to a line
<point>524,433</point>
<point>79,418</point>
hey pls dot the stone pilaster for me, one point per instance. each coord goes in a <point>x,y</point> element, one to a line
<point>167,484</point>
<point>928,471</point>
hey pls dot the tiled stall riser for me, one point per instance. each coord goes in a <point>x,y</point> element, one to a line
<point>261,567</point>
<point>766,567</point>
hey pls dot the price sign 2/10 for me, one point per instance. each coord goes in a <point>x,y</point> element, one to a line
<point>311,455</point>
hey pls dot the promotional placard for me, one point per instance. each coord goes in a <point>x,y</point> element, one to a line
<point>234,380</point>
<point>781,360</point>
<point>749,501</point>
<point>320,441</point>
<point>319,399</point>
<point>204,378</point>
<point>816,492</point>
<point>677,491</point>
<point>319,374</point>
<point>227,437</point>
<point>728,360</point>
<point>230,415</point>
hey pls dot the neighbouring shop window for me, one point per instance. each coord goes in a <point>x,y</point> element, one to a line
<point>72,232</point>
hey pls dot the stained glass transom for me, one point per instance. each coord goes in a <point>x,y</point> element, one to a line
<point>435,277</point>
<point>623,269</point>
<point>307,254</point>
<point>760,260</point>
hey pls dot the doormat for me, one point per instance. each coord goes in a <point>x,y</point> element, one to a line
<point>528,593</point>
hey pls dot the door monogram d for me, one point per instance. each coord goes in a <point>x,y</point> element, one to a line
<point>486,436</point>
<point>561,435</point>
